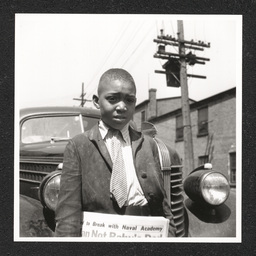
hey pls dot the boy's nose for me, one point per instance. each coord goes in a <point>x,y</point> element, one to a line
<point>121,106</point>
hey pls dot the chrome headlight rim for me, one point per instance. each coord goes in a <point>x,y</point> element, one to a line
<point>205,198</point>
<point>193,187</point>
<point>43,186</point>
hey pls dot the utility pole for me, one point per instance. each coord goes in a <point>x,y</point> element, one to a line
<point>176,76</point>
<point>187,131</point>
<point>82,97</point>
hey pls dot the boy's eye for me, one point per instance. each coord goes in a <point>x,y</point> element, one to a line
<point>112,98</point>
<point>131,99</point>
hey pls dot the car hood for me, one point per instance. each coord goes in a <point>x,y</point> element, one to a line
<point>43,149</point>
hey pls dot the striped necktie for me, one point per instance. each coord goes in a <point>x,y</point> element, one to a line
<point>118,182</point>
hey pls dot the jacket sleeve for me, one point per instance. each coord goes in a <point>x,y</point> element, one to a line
<point>166,206</point>
<point>68,213</point>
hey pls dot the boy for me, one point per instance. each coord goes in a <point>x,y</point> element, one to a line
<point>111,168</point>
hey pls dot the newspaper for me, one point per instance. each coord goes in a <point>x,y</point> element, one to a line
<point>100,225</point>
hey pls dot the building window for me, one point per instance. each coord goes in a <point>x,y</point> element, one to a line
<point>232,162</point>
<point>203,121</point>
<point>143,116</point>
<point>203,160</point>
<point>179,128</point>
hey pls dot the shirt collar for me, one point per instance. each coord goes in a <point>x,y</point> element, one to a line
<point>104,131</point>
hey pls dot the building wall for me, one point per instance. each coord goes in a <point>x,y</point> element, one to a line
<point>166,131</point>
<point>221,128</point>
<point>137,115</point>
<point>167,105</point>
<point>162,106</point>
<point>221,138</point>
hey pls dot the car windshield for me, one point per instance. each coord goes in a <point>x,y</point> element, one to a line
<point>54,128</point>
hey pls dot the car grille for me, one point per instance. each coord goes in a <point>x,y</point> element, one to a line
<point>172,176</point>
<point>35,172</point>
<point>173,183</point>
<point>177,200</point>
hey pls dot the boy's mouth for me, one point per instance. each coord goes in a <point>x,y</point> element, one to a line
<point>120,117</point>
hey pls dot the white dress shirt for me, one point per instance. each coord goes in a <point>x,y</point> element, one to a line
<point>135,193</point>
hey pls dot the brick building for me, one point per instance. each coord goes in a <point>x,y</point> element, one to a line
<point>213,122</point>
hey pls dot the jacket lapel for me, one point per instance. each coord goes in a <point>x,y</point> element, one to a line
<point>95,136</point>
<point>136,140</point>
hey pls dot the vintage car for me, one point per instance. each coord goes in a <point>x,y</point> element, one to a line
<point>206,209</point>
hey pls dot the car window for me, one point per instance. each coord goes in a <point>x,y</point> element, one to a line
<point>42,129</point>
<point>89,122</point>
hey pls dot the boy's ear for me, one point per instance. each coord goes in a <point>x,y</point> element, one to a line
<point>96,101</point>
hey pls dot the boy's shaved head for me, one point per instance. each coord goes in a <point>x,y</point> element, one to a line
<point>115,74</point>
<point>116,98</point>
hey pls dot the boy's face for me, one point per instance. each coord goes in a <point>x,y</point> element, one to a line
<point>116,101</point>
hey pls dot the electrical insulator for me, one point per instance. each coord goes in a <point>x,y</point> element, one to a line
<point>191,58</point>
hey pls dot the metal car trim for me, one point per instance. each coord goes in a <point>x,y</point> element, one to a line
<point>81,122</point>
<point>29,161</point>
<point>177,209</point>
<point>31,171</point>
<point>179,216</point>
<point>59,111</point>
<point>177,202</point>
<point>177,186</point>
<point>31,181</point>
<point>42,185</point>
<point>177,180</point>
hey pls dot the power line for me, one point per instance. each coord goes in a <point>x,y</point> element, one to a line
<point>137,47</point>
<point>132,38</point>
<point>108,55</point>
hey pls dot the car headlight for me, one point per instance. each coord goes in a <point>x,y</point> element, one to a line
<point>206,186</point>
<point>49,190</point>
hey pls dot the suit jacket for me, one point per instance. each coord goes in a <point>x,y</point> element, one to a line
<point>85,180</point>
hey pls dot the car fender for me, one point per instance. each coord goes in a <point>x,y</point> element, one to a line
<point>32,219</point>
<point>219,221</point>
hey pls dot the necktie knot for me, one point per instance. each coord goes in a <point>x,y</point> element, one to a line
<point>115,133</point>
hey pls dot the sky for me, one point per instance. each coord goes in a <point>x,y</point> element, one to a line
<point>56,53</point>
